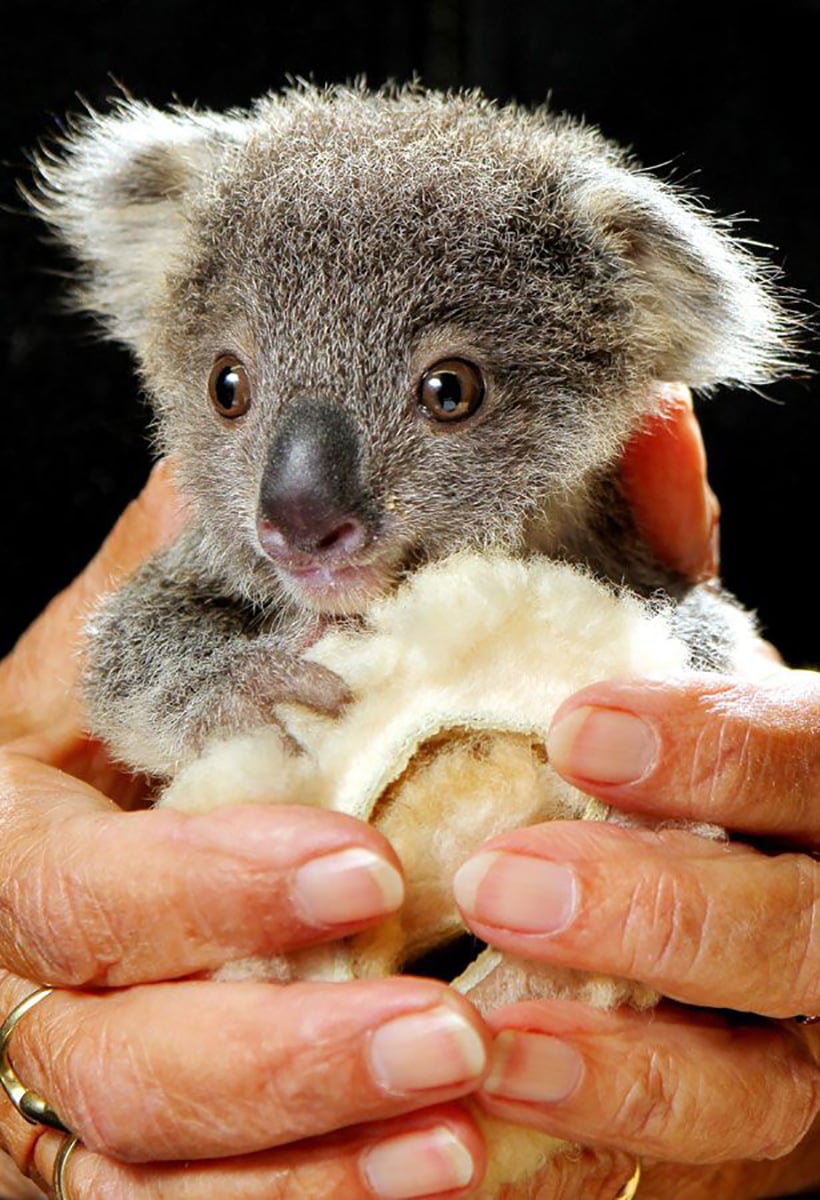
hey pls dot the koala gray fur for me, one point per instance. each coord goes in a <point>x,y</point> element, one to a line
<point>338,244</point>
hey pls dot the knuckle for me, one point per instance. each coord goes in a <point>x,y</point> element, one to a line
<point>727,758</point>
<point>654,1104</point>
<point>665,923</point>
<point>62,928</point>
<point>797,978</point>
<point>795,1115</point>
<point>52,923</point>
<point>756,745</point>
<point>80,1085</point>
<point>102,1068</point>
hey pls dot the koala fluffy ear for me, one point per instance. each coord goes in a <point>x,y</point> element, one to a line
<point>706,310</point>
<point>116,190</point>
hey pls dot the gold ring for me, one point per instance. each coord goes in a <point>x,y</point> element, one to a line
<point>30,1106</point>
<point>60,1163</point>
<point>630,1188</point>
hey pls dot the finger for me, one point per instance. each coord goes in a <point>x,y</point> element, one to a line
<point>198,891</point>
<point>436,1154</point>
<point>202,1069</point>
<point>37,679</point>
<point>742,755</point>
<point>663,475</point>
<point>700,921</point>
<point>665,1084</point>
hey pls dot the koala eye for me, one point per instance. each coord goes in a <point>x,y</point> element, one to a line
<point>229,387</point>
<point>451,390</point>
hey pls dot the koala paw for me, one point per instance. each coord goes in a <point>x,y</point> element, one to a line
<point>299,681</point>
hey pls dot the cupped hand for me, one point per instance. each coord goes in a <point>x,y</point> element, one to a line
<point>718,1104</point>
<point>179,1086</point>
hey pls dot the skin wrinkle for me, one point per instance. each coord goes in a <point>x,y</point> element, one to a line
<point>159,1096</point>
<point>689,943</point>
<point>702,764</point>
<point>801,942</point>
<point>813,937</point>
<point>282,1090</point>
<point>81,931</point>
<point>207,922</point>
<point>698,918</point>
<point>780,737</point>
<point>790,1118</point>
<point>52,938</point>
<point>795,1118</point>
<point>661,905</point>
<point>43,899</point>
<point>645,1108</point>
<point>82,1086</point>
<point>718,766</point>
<point>724,1131</point>
<point>98,1179</point>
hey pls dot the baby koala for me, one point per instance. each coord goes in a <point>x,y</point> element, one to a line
<point>378,329</point>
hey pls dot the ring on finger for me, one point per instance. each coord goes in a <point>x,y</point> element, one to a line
<point>31,1107</point>
<point>60,1164</point>
<point>630,1188</point>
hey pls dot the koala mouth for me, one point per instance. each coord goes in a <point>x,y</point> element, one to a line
<point>447,961</point>
<point>343,588</point>
<point>337,589</point>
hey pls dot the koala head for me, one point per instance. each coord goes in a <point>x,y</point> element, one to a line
<point>380,328</point>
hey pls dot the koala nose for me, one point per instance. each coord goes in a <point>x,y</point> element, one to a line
<point>299,533</point>
<point>311,502</point>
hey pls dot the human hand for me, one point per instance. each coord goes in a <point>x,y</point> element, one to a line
<point>179,1086</point>
<point>722,1106</point>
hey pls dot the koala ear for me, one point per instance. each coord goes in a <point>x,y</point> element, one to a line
<point>706,310</point>
<point>116,190</point>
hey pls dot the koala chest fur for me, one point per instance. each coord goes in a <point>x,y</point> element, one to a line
<point>378,330</point>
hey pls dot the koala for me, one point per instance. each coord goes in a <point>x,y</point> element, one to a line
<point>377,329</point>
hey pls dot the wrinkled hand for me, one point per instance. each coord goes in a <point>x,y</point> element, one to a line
<point>179,1086</point>
<point>717,925</point>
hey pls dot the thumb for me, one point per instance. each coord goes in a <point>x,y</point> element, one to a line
<point>663,474</point>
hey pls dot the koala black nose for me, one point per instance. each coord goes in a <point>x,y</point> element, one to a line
<point>311,502</point>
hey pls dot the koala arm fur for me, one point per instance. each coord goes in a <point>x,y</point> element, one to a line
<point>175,641</point>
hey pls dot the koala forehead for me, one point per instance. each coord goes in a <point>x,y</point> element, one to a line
<point>340,243</point>
<point>332,239</point>
<point>346,232</point>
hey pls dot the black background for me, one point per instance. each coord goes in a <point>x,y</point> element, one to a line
<point>714,95</point>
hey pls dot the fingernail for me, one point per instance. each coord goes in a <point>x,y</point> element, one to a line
<point>351,885</point>
<point>517,892</point>
<point>418,1164</point>
<point>427,1050</point>
<point>533,1066</point>
<point>603,745</point>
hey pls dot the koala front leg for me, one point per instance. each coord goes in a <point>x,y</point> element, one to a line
<point>173,659</point>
